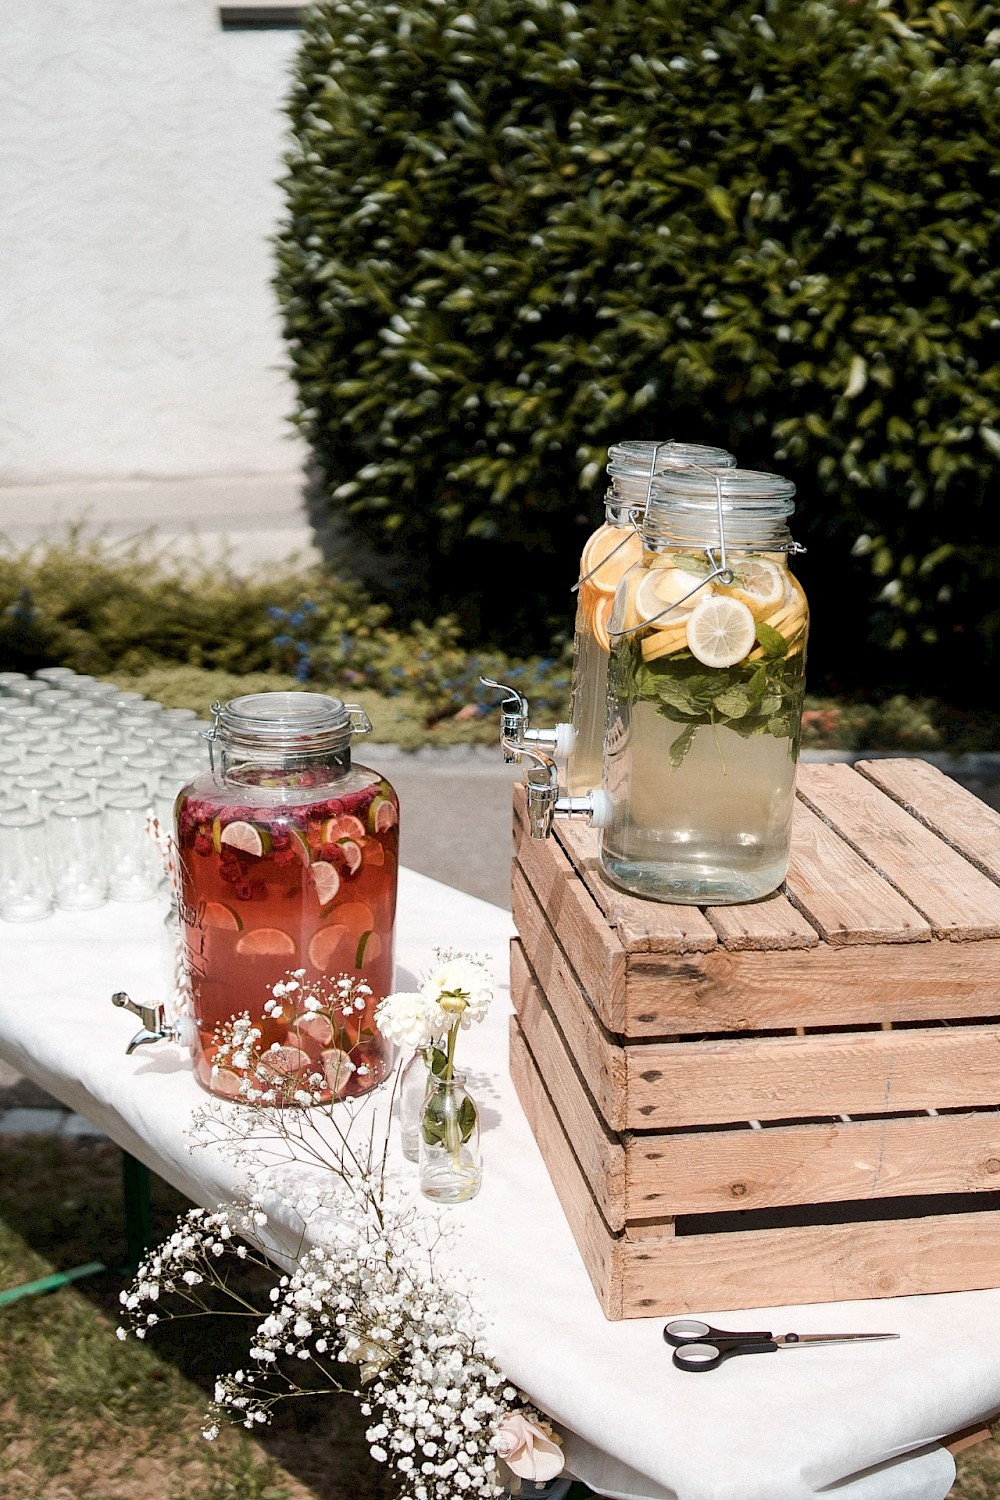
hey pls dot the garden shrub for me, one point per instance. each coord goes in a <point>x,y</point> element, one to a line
<point>132,612</point>
<point>518,230</point>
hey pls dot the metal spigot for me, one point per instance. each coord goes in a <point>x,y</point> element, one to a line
<point>155,1026</point>
<point>541,782</point>
<point>515,736</point>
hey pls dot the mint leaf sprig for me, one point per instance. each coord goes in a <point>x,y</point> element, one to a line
<point>762,696</point>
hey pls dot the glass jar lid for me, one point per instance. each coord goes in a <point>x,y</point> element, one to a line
<point>631,466</point>
<point>632,460</point>
<point>305,720</point>
<point>685,507</point>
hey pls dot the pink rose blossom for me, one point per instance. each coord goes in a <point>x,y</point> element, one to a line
<point>527,1449</point>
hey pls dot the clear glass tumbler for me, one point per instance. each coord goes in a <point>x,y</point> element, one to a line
<point>76,858</point>
<point>25,885</point>
<point>132,862</point>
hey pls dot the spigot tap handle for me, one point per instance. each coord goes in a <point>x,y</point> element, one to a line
<point>513,720</point>
<point>154,1026</point>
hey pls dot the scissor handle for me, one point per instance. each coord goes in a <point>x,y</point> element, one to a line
<point>698,1358</point>
<point>680,1331</point>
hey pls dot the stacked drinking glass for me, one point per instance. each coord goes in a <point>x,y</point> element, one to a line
<point>84,768</point>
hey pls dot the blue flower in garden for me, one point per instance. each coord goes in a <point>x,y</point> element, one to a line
<point>302,670</point>
<point>296,619</point>
<point>282,640</point>
<point>275,612</point>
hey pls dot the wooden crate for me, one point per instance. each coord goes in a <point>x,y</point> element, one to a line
<point>794,1100</point>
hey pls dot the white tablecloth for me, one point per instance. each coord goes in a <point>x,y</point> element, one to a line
<point>859,1423</point>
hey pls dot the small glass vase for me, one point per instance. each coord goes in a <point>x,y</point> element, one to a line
<point>450,1165</point>
<point>413,1082</point>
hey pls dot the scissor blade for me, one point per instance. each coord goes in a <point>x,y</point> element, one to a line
<point>793,1340</point>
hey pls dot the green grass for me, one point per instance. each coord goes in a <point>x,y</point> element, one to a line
<point>84,1416</point>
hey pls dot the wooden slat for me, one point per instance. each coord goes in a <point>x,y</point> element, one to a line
<point>596,1243</point>
<point>642,926</point>
<point>821,1263</point>
<point>601,1062</point>
<point>647,1277</point>
<point>595,951</point>
<point>768,924</point>
<point>824,986</point>
<point>718,1171</point>
<point>952,812</point>
<point>779,1078</point>
<point>839,891</point>
<point>966,1437</point>
<point>601,1155</point>
<point>957,900</point>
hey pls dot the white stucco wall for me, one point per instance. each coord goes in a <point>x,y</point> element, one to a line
<point>139,146</point>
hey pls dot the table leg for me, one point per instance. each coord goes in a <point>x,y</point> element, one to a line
<point>137,1205</point>
<point>137,1201</point>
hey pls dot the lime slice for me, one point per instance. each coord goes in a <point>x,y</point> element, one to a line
<point>326,880</point>
<point>323,945</point>
<point>218,914</point>
<point>279,1062</point>
<point>352,853</point>
<point>356,915</point>
<point>337,1069</point>
<point>608,555</point>
<point>720,631</point>
<point>344,827</point>
<point>759,585</point>
<point>382,815</point>
<point>314,1028</point>
<point>246,837</point>
<point>225,1082</point>
<point>266,940</point>
<point>664,588</point>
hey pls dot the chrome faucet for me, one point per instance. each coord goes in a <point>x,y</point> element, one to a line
<point>544,747</point>
<point>155,1026</point>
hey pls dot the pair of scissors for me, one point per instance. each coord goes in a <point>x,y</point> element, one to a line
<point>698,1346</point>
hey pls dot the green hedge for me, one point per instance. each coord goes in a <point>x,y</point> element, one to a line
<point>518,230</point>
<point>129,611</point>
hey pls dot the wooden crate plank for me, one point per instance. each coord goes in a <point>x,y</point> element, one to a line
<point>766,925</point>
<point>595,951</point>
<point>952,812</point>
<point>782,1078</point>
<point>825,986</point>
<point>820,1263</point>
<point>601,1155</point>
<point>718,1171</point>
<point>595,1241</point>
<point>648,1276</point>
<point>840,892</point>
<point>601,1061</point>
<point>958,901</point>
<point>642,926</point>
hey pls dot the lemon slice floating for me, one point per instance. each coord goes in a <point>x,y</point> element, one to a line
<point>664,588</point>
<point>759,585</point>
<point>720,631</point>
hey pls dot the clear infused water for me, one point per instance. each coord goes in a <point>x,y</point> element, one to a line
<point>714,829</point>
<point>588,711</point>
